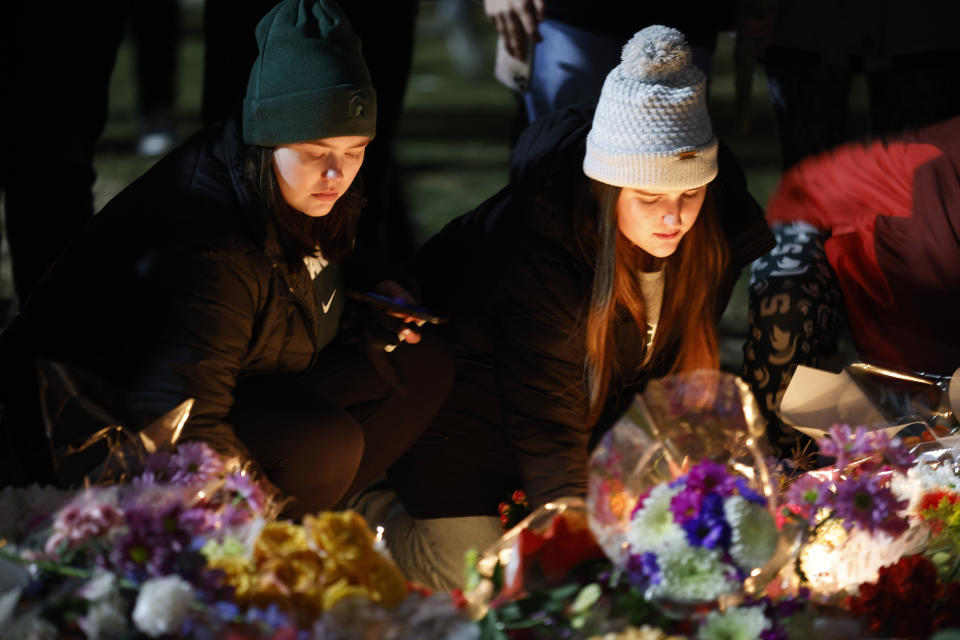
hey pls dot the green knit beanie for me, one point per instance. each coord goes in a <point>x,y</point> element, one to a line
<point>309,80</point>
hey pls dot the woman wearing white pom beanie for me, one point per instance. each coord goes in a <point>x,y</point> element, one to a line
<point>606,261</point>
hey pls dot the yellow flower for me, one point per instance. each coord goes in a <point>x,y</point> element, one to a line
<point>299,573</point>
<point>345,539</point>
<point>386,584</point>
<point>342,589</point>
<point>238,573</point>
<point>279,539</point>
<point>351,559</point>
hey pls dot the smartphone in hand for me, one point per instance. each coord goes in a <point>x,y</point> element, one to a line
<point>397,306</point>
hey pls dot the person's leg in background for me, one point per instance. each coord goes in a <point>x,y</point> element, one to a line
<point>794,318</point>
<point>387,32</point>
<point>229,47</point>
<point>57,65</point>
<point>912,93</point>
<point>325,436</point>
<point>569,65</point>
<point>155,31</point>
<point>810,103</point>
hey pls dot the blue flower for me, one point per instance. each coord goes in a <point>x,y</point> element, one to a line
<point>643,569</point>
<point>710,528</point>
<point>749,494</point>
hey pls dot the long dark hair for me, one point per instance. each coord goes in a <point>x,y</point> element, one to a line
<point>299,234</point>
<point>686,330</point>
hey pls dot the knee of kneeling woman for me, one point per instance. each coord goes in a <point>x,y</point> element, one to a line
<point>322,467</point>
<point>427,368</point>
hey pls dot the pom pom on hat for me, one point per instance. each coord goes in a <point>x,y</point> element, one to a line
<point>655,52</point>
<point>651,129</point>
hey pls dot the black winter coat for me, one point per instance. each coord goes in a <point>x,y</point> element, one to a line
<point>176,289</point>
<point>517,286</point>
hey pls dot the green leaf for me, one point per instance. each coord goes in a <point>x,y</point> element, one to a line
<point>587,597</point>
<point>497,578</point>
<point>491,628</point>
<point>470,558</point>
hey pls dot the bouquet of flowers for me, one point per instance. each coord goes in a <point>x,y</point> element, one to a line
<point>856,522</point>
<point>187,548</point>
<point>680,493</point>
<point>678,513</point>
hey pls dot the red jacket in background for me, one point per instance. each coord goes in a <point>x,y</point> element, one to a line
<point>892,208</point>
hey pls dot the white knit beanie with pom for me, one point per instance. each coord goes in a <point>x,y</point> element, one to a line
<point>651,129</point>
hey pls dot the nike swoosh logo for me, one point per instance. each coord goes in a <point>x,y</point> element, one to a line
<point>326,305</point>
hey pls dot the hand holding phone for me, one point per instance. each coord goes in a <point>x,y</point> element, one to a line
<point>397,306</point>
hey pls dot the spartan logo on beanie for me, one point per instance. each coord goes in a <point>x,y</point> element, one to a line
<point>651,128</point>
<point>309,80</point>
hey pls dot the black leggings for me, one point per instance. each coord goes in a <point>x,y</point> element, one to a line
<point>796,312</point>
<point>324,436</point>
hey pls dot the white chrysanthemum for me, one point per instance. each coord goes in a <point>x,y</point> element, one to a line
<point>653,527</point>
<point>754,534</point>
<point>921,478</point>
<point>105,617</point>
<point>432,616</point>
<point>736,623</point>
<point>162,605</point>
<point>353,617</point>
<point>691,575</point>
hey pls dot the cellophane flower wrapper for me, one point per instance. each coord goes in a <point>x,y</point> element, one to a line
<point>548,578</point>
<point>514,558</point>
<point>680,492</point>
<point>92,438</point>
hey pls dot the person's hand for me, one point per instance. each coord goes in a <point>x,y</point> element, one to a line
<point>516,21</point>
<point>407,333</point>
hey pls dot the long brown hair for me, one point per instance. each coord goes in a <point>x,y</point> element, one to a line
<point>686,330</point>
<point>299,234</point>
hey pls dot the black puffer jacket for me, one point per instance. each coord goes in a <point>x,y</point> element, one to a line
<point>517,286</point>
<point>177,289</point>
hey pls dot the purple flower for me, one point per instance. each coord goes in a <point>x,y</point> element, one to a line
<point>643,569</point>
<point>158,463</point>
<point>247,491</point>
<point>272,616</point>
<point>152,542</point>
<point>194,463</point>
<point>809,494</point>
<point>774,632</point>
<point>685,505</point>
<point>898,456</point>
<point>749,494</point>
<point>711,477</point>
<point>146,479</point>
<point>846,445</point>
<point>198,521</point>
<point>710,528</point>
<point>864,502</point>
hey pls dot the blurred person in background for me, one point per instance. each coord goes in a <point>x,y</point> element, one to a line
<point>867,239</point>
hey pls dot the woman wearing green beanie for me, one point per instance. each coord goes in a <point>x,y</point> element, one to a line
<point>220,275</point>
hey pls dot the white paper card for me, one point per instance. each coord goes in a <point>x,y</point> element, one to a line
<point>816,400</point>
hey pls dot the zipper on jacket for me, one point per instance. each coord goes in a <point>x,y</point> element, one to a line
<point>306,309</point>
